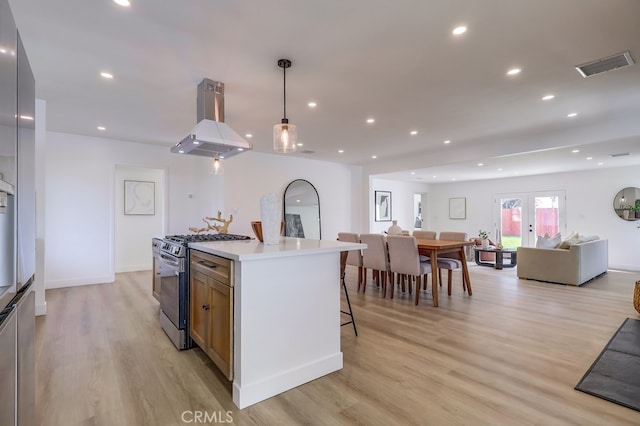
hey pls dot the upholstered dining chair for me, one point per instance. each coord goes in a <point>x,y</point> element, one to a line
<point>425,235</point>
<point>376,258</point>
<point>451,261</point>
<point>404,259</point>
<point>354,258</point>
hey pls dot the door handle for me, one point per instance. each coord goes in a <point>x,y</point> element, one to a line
<point>205,307</point>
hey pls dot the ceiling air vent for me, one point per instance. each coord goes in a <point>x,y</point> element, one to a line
<point>622,154</point>
<point>307,151</point>
<point>610,63</point>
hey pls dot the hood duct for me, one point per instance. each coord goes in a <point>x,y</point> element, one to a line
<point>211,137</point>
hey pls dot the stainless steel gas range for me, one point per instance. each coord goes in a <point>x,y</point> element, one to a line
<point>174,283</point>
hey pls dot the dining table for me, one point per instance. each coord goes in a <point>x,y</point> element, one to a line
<point>433,248</point>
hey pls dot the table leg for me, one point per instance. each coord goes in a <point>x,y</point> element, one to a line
<point>499,259</point>
<point>434,276</point>
<point>465,271</point>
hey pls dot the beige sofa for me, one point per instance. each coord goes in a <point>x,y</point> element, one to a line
<point>575,266</point>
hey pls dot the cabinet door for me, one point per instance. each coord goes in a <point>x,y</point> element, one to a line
<point>220,342</point>
<point>199,308</point>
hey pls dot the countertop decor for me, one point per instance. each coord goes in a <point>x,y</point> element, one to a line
<point>222,229</point>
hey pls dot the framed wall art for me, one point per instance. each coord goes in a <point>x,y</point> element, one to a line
<point>457,208</point>
<point>139,197</point>
<point>383,206</point>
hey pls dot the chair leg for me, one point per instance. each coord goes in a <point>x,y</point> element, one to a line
<point>449,273</point>
<point>384,283</point>
<point>440,276</point>
<point>392,283</point>
<point>350,313</point>
<point>417,288</point>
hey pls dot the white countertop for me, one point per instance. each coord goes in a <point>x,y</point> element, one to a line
<point>253,249</point>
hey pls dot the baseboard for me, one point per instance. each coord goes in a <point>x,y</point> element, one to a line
<point>41,309</point>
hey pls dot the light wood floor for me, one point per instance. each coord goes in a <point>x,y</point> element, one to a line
<point>511,354</point>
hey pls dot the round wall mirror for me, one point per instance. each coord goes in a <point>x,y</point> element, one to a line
<point>301,210</point>
<point>626,203</point>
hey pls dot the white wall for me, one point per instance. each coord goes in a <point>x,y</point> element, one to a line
<point>249,176</point>
<point>589,206</point>
<point>401,203</point>
<point>133,233</point>
<point>80,198</point>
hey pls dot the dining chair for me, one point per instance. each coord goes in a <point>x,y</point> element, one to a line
<point>404,259</point>
<point>354,257</point>
<point>425,235</point>
<point>451,261</point>
<point>376,258</point>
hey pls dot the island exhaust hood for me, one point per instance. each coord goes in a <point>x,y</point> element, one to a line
<point>211,137</point>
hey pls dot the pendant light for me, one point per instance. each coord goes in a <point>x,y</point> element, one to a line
<point>216,166</point>
<point>285,135</point>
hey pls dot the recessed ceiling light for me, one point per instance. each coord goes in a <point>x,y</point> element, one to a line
<point>575,151</point>
<point>413,173</point>
<point>572,114</point>
<point>514,71</point>
<point>300,144</point>
<point>589,158</point>
<point>447,142</point>
<point>459,30</point>
<point>297,201</point>
<point>341,151</point>
<point>374,156</point>
<point>480,164</point>
<point>413,132</point>
<point>435,177</point>
<point>102,128</point>
<point>600,164</point>
<point>312,104</point>
<point>248,136</point>
<point>548,97</point>
<point>106,75</point>
<point>371,120</point>
<point>122,2</point>
<point>499,170</point>
<point>453,178</point>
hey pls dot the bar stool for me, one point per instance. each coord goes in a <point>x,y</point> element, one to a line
<point>343,265</point>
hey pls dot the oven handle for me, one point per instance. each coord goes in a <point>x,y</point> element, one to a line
<point>170,261</point>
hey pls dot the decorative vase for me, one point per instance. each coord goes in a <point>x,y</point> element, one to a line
<point>271,218</point>
<point>485,243</point>
<point>394,229</point>
<point>625,214</point>
<point>636,297</point>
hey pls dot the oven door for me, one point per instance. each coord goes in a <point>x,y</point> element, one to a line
<point>172,277</point>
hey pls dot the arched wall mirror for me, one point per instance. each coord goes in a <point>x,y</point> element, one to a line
<point>301,210</point>
<point>626,203</point>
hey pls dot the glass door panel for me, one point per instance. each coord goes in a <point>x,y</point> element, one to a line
<point>510,221</point>
<point>522,217</point>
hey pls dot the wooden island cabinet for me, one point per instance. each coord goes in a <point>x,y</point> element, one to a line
<point>211,308</point>
<point>269,315</point>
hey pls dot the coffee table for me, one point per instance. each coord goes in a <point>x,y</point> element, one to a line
<point>501,255</point>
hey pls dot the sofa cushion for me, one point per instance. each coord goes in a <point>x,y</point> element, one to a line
<point>546,241</point>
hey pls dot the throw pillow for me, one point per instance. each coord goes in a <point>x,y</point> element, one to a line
<point>548,242</point>
<point>574,238</point>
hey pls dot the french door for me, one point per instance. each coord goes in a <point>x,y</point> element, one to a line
<point>521,217</point>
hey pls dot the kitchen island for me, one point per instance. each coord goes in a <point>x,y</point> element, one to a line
<point>286,313</point>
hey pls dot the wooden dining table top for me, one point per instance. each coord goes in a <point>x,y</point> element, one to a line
<point>442,244</point>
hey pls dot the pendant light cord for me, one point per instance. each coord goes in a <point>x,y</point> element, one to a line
<point>284,79</point>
